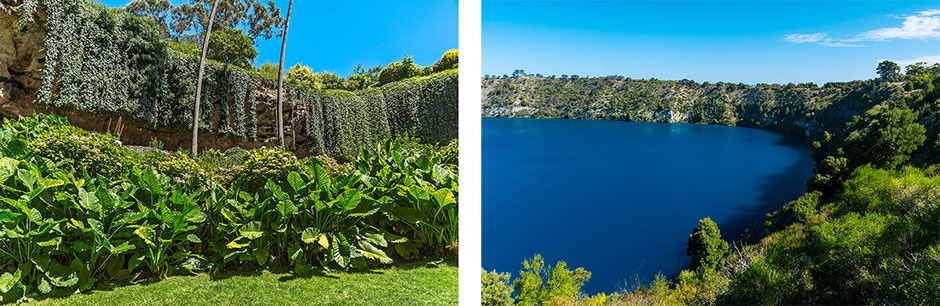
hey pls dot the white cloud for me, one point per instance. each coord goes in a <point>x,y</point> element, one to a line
<point>929,59</point>
<point>930,12</point>
<point>805,38</point>
<point>833,43</point>
<point>922,25</point>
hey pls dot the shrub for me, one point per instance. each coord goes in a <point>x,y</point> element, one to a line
<point>305,77</point>
<point>268,71</point>
<point>155,143</point>
<point>232,46</point>
<point>84,151</point>
<point>495,289</point>
<point>538,284</point>
<point>397,71</point>
<point>705,245</point>
<point>448,61</point>
<point>179,167</point>
<point>263,164</point>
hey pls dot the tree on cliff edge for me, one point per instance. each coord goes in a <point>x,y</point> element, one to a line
<point>280,80</point>
<point>705,245</point>
<point>202,66</point>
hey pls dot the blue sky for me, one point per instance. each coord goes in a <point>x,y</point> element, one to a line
<point>337,35</point>
<point>731,41</point>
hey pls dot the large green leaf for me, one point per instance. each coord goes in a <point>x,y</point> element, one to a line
<point>349,199</point>
<point>124,247</point>
<point>88,200</point>
<point>252,230</point>
<point>7,168</point>
<point>372,252</point>
<point>28,178</point>
<point>339,249</point>
<point>62,276</point>
<point>147,234</point>
<point>275,190</point>
<point>322,178</point>
<point>375,238</point>
<point>444,197</point>
<point>295,181</point>
<point>286,207</point>
<point>8,280</point>
<point>309,235</point>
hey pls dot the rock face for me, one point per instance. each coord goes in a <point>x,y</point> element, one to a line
<point>21,58</point>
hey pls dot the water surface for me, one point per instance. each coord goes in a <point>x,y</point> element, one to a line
<point>621,198</point>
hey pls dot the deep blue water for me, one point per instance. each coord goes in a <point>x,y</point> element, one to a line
<point>621,198</point>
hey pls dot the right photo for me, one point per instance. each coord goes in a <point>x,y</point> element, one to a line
<point>710,152</point>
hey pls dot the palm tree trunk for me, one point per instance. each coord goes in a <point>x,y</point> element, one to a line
<point>202,63</point>
<point>280,80</point>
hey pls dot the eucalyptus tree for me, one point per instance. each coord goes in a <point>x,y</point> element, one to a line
<point>280,79</point>
<point>183,23</point>
<point>202,63</point>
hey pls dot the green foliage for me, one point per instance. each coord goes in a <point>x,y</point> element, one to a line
<point>66,229</point>
<point>495,289</point>
<point>889,71</point>
<point>79,150</point>
<point>397,71</point>
<point>538,284</point>
<point>232,46</point>
<point>155,144</point>
<point>306,78</point>
<point>705,245</point>
<point>885,137</point>
<point>268,71</point>
<point>114,64</point>
<point>448,61</point>
<point>340,122</point>
<point>261,165</point>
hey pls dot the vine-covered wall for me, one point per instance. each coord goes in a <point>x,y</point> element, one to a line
<point>339,122</point>
<point>110,63</point>
<point>102,64</point>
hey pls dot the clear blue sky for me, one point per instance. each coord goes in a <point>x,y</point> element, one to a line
<point>731,41</point>
<point>337,35</point>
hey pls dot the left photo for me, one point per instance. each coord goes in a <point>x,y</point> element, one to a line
<point>228,152</point>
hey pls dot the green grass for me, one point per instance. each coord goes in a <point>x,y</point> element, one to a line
<point>410,284</point>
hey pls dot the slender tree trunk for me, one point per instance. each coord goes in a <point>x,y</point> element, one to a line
<point>280,80</point>
<point>202,63</point>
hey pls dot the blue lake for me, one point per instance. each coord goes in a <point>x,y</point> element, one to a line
<point>621,198</point>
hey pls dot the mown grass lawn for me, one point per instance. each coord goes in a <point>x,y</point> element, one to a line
<point>420,283</point>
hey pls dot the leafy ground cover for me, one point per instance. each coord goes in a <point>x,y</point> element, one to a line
<point>421,283</point>
<point>79,211</point>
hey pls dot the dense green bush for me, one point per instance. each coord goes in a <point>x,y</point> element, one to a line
<point>495,289</point>
<point>397,71</point>
<point>448,61</point>
<point>66,230</point>
<point>80,150</point>
<point>705,245</point>
<point>340,122</point>
<point>232,46</point>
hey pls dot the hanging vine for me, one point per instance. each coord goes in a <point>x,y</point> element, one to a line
<point>104,61</point>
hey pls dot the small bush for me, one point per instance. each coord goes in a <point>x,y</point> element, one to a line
<point>495,289</point>
<point>263,164</point>
<point>82,150</point>
<point>397,71</point>
<point>448,61</point>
